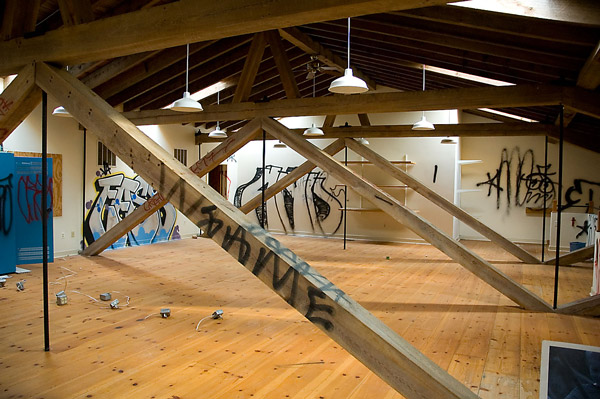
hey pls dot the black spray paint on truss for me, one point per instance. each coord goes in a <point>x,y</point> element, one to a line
<point>319,211</point>
<point>285,283</point>
<point>6,204</point>
<point>532,182</point>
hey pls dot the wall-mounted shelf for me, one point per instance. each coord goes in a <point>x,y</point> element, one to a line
<point>469,161</point>
<point>370,163</point>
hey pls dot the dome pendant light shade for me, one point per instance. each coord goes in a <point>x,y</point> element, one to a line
<point>448,140</point>
<point>218,133</point>
<point>423,124</point>
<point>186,103</point>
<point>313,131</point>
<point>279,144</point>
<point>348,84</point>
<point>61,112</point>
<point>363,141</point>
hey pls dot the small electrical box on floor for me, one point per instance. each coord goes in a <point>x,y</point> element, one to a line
<point>20,286</point>
<point>2,282</point>
<point>61,298</point>
<point>164,313</point>
<point>114,304</point>
<point>217,314</point>
<point>105,297</point>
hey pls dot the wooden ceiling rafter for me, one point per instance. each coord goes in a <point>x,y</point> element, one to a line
<point>75,12</point>
<point>250,69</point>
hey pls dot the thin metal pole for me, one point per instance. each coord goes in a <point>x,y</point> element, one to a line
<point>345,195</point>
<point>560,173</point>
<point>45,217</point>
<point>264,153</point>
<point>83,185</point>
<point>545,196</point>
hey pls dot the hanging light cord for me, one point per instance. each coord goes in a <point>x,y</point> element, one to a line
<point>423,85</point>
<point>314,86</point>
<point>348,42</point>
<point>218,98</point>
<point>187,66</point>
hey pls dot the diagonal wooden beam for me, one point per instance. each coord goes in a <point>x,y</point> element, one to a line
<point>316,298</point>
<point>462,255</point>
<point>440,201</point>
<point>478,97</point>
<point>114,68</point>
<point>329,120</point>
<point>290,178</point>
<point>153,204</point>
<point>18,100</point>
<point>326,56</point>
<point>253,59</point>
<point>583,101</point>
<point>137,31</point>
<point>75,12</point>
<point>283,64</point>
<point>578,255</point>
<point>589,306</point>
<point>364,120</point>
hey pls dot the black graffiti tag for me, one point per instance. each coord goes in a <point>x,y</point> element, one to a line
<point>6,205</point>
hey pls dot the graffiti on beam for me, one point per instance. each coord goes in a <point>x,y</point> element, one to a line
<point>269,260</point>
<point>116,197</point>
<point>320,205</point>
<point>6,204</point>
<point>520,181</point>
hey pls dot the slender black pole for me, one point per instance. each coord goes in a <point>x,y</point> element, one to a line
<point>45,216</point>
<point>83,185</point>
<point>345,195</point>
<point>545,187</point>
<point>264,153</point>
<point>560,173</point>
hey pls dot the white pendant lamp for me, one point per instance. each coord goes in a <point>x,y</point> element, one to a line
<point>448,140</point>
<point>186,103</point>
<point>218,133</point>
<point>423,124</point>
<point>279,144</point>
<point>348,84</point>
<point>60,111</point>
<point>363,141</point>
<point>313,131</point>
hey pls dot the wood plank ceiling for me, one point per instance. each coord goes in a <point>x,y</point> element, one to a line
<point>388,48</point>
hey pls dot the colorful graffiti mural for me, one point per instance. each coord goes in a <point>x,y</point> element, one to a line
<point>116,197</point>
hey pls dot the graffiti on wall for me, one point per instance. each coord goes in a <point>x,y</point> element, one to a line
<point>29,197</point>
<point>6,204</point>
<point>116,197</point>
<point>520,181</point>
<point>317,203</point>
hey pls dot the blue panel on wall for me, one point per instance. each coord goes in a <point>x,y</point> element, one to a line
<point>8,258</point>
<point>28,187</point>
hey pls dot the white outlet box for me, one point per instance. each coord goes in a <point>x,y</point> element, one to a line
<point>62,235</point>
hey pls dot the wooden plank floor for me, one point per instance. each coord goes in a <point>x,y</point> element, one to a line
<point>263,348</point>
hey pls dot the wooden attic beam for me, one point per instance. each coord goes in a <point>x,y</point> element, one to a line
<point>283,64</point>
<point>200,168</point>
<point>478,97</point>
<point>329,120</point>
<point>329,308</point>
<point>440,201</point>
<point>578,255</point>
<point>115,68</point>
<point>253,59</point>
<point>589,306</point>
<point>75,12</point>
<point>290,178</point>
<point>18,18</point>
<point>326,56</point>
<point>390,205</point>
<point>18,100</point>
<point>138,31</point>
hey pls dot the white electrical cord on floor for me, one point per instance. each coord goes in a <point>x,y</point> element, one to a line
<point>198,326</point>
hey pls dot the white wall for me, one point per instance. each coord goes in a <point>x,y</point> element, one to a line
<point>64,137</point>
<point>509,217</point>
<point>362,225</point>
